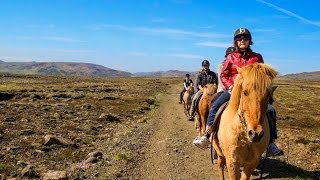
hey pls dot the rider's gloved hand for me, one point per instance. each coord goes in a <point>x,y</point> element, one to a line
<point>230,89</point>
<point>208,129</point>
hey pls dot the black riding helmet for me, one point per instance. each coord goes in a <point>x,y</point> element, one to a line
<point>243,32</point>
<point>187,75</point>
<point>229,50</point>
<point>205,62</point>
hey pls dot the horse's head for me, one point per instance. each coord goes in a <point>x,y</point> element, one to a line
<point>252,89</point>
<point>209,89</point>
<point>190,90</point>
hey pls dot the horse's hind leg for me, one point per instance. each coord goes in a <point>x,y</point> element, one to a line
<point>221,164</point>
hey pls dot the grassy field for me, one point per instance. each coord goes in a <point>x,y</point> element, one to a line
<point>111,115</point>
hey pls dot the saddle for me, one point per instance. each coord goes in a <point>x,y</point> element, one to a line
<point>197,102</point>
<point>216,122</point>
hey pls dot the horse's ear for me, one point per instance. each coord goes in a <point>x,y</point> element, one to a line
<point>270,71</point>
<point>273,88</point>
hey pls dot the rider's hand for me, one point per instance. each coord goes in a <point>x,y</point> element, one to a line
<point>208,129</point>
<point>230,89</point>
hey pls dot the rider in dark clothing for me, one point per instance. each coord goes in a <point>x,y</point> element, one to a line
<point>186,83</point>
<point>204,77</point>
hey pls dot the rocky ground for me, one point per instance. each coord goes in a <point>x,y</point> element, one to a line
<point>57,127</point>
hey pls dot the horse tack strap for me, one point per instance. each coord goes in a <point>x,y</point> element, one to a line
<point>242,120</point>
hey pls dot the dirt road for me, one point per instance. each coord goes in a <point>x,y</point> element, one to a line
<point>170,153</point>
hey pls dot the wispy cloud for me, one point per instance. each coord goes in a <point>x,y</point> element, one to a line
<point>71,50</point>
<point>310,36</point>
<point>262,30</point>
<point>214,44</point>
<point>61,39</point>
<point>206,27</point>
<point>289,13</point>
<point>15,59</point>
<point>135,53</point>
<point>158,20</point>
<point>38,26</point>
<point>159,31</point>
<point>186,56</point>
<point>182,1</point>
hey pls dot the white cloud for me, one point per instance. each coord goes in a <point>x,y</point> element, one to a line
<point>38,26</point>
<point>181,1</point>
<point>289,13</point>
<point>262,30</point>
<point>61,39</point>
<point>135,53</point>
<point>214,44</point>
<point>158,20</point>
<point>159,31</point>
<point>186,56</point>
<point>310,36</point>
<point>15,59</point>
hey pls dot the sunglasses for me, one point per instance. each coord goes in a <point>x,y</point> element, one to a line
<point>242,38</point>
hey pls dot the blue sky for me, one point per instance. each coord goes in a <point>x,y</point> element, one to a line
<point>152,35</point>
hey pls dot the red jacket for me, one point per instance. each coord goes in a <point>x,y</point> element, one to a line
<point>234,60</point>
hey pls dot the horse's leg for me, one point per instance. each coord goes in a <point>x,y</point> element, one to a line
<point>233,169</point>
<point>247,170</point>
<point>203,124</point>
<point>198,120</point>
<point>221,164</point>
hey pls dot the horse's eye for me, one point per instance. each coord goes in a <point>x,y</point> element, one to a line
<point>245,93</point>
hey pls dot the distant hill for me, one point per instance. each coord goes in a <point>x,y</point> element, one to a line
<point>59,68</point>
<point>170,73</point>
<point>304,75</point>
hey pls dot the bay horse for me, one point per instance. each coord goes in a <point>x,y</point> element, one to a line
<point>205,103</point>
<point>243,133</point>
<point>187,99</point>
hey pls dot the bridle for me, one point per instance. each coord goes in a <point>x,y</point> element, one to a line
<point>241,115</point>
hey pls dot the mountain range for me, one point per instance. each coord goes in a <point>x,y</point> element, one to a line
<point>88,69</point>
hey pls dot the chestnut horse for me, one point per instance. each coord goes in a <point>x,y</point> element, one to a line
<point>187,100</point>
<point>204,105</point>
<point>243,133</point>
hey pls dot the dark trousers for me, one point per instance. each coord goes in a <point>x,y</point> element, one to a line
<point>223,97</point>
<point>272,122</point>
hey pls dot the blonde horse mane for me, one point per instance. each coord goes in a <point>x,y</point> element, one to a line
<point>257,76</point>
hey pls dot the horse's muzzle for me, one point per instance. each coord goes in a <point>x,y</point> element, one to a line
<point>254,136</point>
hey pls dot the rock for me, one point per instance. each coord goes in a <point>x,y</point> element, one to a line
<point>29,172</point>
<point>109,117</point>
<point>55,175</point>
<point>22,163</point>
<point>35,96</point>
<point>96,154</point>
<point>6,96</point>
<point>57,116</point>
<point>50,140</point>
<point>9,119</point>
<point>86,106</point>
<point>27,132</point>
<point>91,159</point>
